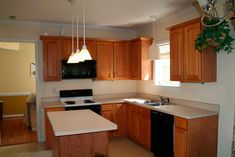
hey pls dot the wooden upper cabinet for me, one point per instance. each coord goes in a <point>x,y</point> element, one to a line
<point>67,47</point>
<point>91,46</point>
<point>52,47</point>
<point>141,68</point>
<point>192,60</point>
<point>104,60</point>
<point>176,55</point>
<point>187,64</point>
<point>121,60</point>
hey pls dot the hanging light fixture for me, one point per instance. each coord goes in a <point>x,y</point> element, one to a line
<point>76,55</point>
<point>153,52</point>
<point>208,10</point>
<point>84,54</point>
<point>71,57</point>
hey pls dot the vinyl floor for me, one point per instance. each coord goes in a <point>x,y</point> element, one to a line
<point>121,147</point>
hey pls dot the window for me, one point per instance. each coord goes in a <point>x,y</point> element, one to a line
<point>162,67</point>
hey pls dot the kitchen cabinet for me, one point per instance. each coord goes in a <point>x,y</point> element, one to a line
<point>145,128</point>
<point>134,122</point>
<point>116,59</point>
<point>67,47</point>
<point>139,125</point>
<point>52,51</point>
<point>121,59</point>
<point>48,129</point>
<point>141,68</point>
<point>115,113</point>
<point>91,46</point>
<point>186,63</point>
<point>196,137</point>
<point>104,60</point>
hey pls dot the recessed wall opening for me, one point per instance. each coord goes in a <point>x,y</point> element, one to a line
<point>17,93</point>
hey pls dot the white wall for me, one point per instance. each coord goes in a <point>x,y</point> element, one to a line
<point>30,31</point>
<point>220,92</point>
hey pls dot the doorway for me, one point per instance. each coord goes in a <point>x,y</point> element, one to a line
<point>17,93</point>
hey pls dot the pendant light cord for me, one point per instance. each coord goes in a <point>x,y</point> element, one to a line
<point>72,26</point>
<point>77,24</point>
<point>84,16</point>
<point>153,24</point>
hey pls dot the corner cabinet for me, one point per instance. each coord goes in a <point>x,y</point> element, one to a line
<point>186,63</point>
<point>52,52</point>
<point>141,68</point>
<point>115,113</point>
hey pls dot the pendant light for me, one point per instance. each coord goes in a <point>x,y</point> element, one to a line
<point>76,55</point>
<point>84,54</point>
<point>153,52</point>
<point>71,57</point>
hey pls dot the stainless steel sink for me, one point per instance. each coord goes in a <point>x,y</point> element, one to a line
<point>153,103</point>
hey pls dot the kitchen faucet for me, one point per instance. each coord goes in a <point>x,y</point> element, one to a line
<point>164,100</point>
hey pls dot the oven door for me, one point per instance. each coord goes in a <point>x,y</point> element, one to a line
<point>94,108</point>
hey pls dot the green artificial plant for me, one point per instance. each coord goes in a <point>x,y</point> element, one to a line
<point>217,37</point>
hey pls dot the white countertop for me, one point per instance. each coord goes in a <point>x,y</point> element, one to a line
<point>176,110</point>
<point>185,111</point>
<point>78,122</point>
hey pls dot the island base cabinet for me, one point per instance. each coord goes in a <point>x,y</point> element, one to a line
<point>82,145</point>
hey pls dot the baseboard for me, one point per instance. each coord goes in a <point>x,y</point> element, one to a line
<point>13,115</point>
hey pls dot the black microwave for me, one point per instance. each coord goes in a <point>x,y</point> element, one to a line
<point>86,69</point>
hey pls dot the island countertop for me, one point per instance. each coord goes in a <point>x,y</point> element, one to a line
<point>78,122</point>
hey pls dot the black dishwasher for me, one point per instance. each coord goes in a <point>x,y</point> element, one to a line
<point>162,129</point>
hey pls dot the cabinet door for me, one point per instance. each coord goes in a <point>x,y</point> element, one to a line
<point>107,111</point>
<point>67,47</point>
<point>91,46</point>
<point>192,58</point>
<point>180,145</point>
<point>52,47</point>
<point>176,54</point>
<point>121,60</point>
<point>48,129</point>
<point>104,60</point>
<point>119,119</point>
<point>145,133</point>
<point>135,60</point>
<point>135,123</point>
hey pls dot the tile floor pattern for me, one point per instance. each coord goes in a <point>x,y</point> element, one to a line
<point>121,147</point>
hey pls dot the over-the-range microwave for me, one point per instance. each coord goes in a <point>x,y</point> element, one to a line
<point>82,70</point>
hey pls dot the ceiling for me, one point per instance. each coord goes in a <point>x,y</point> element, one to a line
<point>117,13</point>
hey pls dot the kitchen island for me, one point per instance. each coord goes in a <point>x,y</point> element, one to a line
<point>79,133</point>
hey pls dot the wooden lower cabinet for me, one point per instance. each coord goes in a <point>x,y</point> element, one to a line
<point>81,145</point>
<point>115,113</point>
<point>139,125</point>
<point>145,128</point>
<point>196,137</point>
<point>48,129</point>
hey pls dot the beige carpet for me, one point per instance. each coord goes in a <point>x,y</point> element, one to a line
<point>121,147</point>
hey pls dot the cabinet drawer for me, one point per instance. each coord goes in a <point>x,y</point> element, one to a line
<point>180,122</point>
<point>107,107</point>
